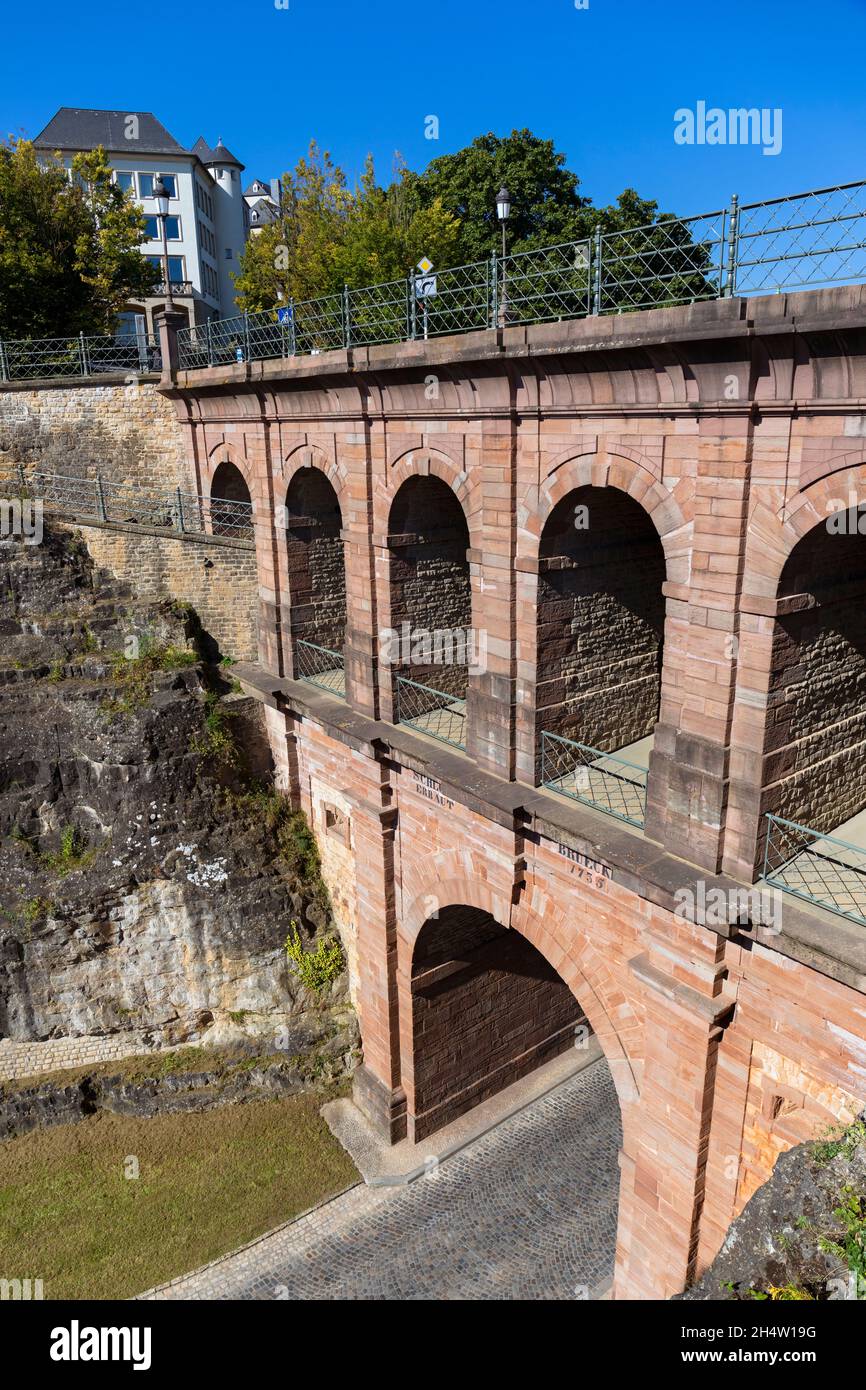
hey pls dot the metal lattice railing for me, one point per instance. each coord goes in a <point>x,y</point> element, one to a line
<point>100,499</point>
<point>602,780</point>
<point>215,516</point>
<point>674,261</point>
<point>321,666</point>
<point>36,358</point>
<point>554,283</point>
<point>820,868</point>
<point>433,712</point>
<point>806,239</point>
<point>814,238</point>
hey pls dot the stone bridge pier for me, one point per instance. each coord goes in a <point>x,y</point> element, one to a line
<point>550,621</point>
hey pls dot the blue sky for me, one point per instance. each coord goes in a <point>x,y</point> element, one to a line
<point>361,75</point>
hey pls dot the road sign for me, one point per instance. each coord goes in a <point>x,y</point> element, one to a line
<point>284,315</point>
<point>425,265</point>
<point>425,287</point>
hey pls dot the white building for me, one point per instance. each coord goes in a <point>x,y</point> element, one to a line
<point>262,204</point>
<point>208,215</point>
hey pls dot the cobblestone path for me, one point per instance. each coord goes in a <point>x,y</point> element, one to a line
<point>527,1212</point>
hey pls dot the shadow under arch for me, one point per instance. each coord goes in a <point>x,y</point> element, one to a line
<point>600,620</point>
<point>430,642</point>
<point>230,502</point>
<point>598,998</point>
<point>316,577</point>
<point>813,770</point>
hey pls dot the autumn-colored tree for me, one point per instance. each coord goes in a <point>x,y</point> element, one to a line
<point>69,248</point>
<point>327,236</point>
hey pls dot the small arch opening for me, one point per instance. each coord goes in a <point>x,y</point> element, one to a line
<point>231,508</point>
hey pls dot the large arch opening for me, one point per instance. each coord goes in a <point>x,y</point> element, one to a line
<point>813,830</point>
<point>487,1009</point>
<point>317,580</point>
<point>600,637</point>
<point>231,507</point>
<point>431,638</point>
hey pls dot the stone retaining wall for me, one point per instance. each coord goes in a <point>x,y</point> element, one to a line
<point>216,576</point>
<point>32,1058</point>
<point>124,430</point>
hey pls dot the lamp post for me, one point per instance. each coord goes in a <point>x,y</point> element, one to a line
<point>160,193</point>
<point>503,212</point>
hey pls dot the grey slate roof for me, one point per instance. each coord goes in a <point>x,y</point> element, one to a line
<point>218,155</point>
<point>75,129</point>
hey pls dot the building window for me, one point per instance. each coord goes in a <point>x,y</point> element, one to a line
<point>228,253</point>
<point>126,182</point>
<point>175,267</point>
<point>154,233</point>
<point>145,185</point>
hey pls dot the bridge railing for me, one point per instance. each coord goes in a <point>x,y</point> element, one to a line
<point>603,780</point>
<point>321,666</point>
<point>430,711</point>
<point>102,500</point>
<point>820,868</point>
<point>33,359</point>
<point>806,239</point>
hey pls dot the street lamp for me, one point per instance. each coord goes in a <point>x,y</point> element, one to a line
<point>503,210</point>
<point>160,193</point>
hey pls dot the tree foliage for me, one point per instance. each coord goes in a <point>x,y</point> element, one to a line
<point>328,235</point>
<point>70,254</point>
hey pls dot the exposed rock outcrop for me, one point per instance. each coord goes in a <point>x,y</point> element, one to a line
<point>803,1233</point>
<point>146,880</point>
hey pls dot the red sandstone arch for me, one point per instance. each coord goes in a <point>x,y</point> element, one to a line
<point>773,533</point>
<point>425,462</point>
<point>225,452</point>
<point>774,529</point>
<point>457,879</point>
<point>607,468</point>
<point>312,456</point>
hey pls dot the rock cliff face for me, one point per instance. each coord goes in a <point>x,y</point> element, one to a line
<point>146,883</point>
<point>802,1236</point>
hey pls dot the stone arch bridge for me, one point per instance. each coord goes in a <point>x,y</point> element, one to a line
<point>551,626</point>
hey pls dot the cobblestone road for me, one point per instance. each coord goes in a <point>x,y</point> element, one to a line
<point>528,1212</point>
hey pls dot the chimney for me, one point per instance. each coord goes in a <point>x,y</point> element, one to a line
<point>276,191</point>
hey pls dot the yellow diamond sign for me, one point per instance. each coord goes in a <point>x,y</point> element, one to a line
<point>425,266</point>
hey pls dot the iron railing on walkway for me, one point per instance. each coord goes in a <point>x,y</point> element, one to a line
<point>806,239</point>
<point>433,712</point>
<point>603,780</point>
<point>819,868</point>
<point>321,666</point>
<point>33,359</point>
<point>99,499</point>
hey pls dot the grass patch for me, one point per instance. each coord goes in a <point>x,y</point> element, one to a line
<point>839,1140</point>
<point>133,676</point>
<point>319,968</point>
<point>216,743</point>
<point>208,1182</point>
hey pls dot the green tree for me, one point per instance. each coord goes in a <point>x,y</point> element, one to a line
<point>69,248</point>
<point>296,257</point>
<point>544,194</point>
<point>328,236</point>
<point>660,264</point>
